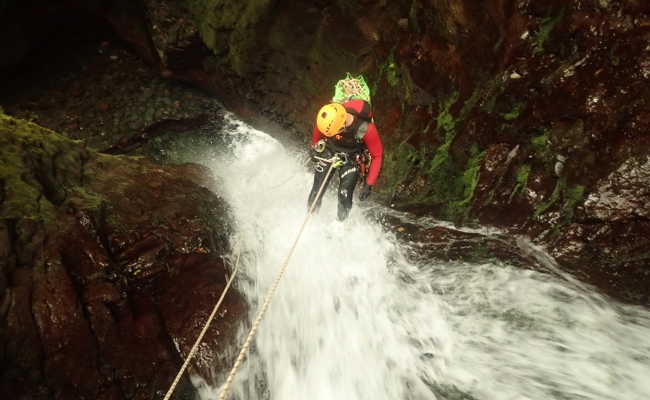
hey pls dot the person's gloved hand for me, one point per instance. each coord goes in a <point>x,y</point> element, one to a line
<point>365,191</point>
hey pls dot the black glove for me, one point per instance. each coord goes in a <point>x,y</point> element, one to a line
<point>365,191</point>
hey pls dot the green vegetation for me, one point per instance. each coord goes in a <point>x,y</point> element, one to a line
<point>468,182</point>
<point>516,111</point>
<point>492,90</point>
<point>229,27</point>
<point>541,146</point>
<point>555,196</point>
<point>453,181</point>
<point>547,26</point>
<point>522,181</point>
<point>28,152</point>
<point>392,71</point>
<point>40,170</point>
<point>572,196</point>
<point>445,120</point>
<point>88,199</point>
<point>398,165</point>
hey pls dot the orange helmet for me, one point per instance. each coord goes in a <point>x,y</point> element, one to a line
<point>331,118</point>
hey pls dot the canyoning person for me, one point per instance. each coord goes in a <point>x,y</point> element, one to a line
<point>345,135</point>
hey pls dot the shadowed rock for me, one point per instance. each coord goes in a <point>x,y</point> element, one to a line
<point>109,266</point>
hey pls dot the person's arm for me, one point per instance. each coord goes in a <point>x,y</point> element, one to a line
<point>372,141</point>
<point>316,135</point>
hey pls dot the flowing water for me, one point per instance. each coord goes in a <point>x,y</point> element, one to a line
<point>353,318</point>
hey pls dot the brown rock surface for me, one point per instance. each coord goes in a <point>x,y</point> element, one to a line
<point>109,267</point>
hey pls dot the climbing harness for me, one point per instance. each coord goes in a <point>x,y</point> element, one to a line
<point>203,331</point>
<point>319,147</point>
<point>336,160</point>
<point>269,296</point>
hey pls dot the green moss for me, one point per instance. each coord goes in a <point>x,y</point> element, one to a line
<point>443,177</point>
<point>89,200</point>
<point>449,180</point>
<point>398,165</point>
<point>39,170</point>
<point>453,181</point>
<point>572,197</point>
<point>522,181</point>
<point>540,141</point>
<point>392,71</point>
<point>453,186</point>
<point>544,33</point>
<point>542,148</point>
<point>23,193</point>
<point>440,157</point>
<point>445,120</point>
<point>116,224</point>
<point>230,27</point>
<point>555,196</point>
<point>468,181</point>
<point>516,111</point>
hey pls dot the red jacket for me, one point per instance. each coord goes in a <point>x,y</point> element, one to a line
<point>370,139</point>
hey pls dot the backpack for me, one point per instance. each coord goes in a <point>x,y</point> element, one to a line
<point>354,88</point>
<point>350,88</point>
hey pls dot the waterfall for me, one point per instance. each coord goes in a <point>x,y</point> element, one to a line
<point>355,319</point>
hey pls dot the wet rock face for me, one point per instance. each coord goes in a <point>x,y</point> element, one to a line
<point>613,256</point>
<point>624,194</point>
<point>109,266</point>
<point>452,245</point>
<point>610,239</point>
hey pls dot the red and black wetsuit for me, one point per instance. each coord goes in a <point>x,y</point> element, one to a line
<point>360,135</point>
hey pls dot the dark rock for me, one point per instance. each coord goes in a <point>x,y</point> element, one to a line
<point>111,99</point>
<point>449,244</point>
<point>613,256</point>
<point>624,194</point>
<point>106,284</point>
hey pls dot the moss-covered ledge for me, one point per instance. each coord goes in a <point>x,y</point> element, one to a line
<point>108,265</point>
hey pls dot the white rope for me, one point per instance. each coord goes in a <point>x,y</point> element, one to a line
<point>203,331</point>
<point>274,287</point>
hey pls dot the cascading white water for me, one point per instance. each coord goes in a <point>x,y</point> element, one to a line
<point>353,319</point>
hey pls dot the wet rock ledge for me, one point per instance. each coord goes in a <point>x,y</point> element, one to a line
<point>109,265</point>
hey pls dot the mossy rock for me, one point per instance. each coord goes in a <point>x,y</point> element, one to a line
<point>230,28</point>
<point>39,169</point>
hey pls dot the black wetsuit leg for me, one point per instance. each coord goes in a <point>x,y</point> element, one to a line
<point>348,174</point>
<point>320,171</point>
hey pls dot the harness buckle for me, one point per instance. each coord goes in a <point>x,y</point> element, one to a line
<point>319,147</point>
<point>343,157</point>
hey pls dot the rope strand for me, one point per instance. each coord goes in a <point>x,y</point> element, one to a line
<point>203,331</point>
